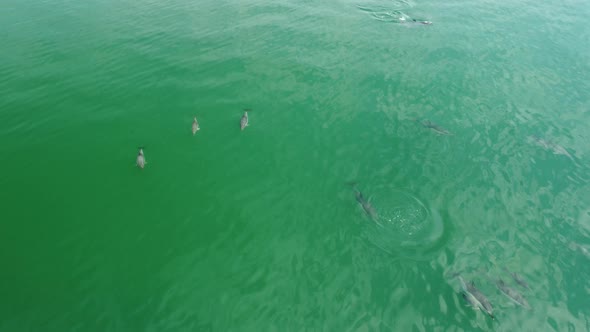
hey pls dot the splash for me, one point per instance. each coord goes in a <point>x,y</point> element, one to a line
<point>405,225</point>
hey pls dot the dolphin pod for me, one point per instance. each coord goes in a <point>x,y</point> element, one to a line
<point>469,291</point>
<point>140,160</point>
<point>549,145</point>
<point>479,301</point>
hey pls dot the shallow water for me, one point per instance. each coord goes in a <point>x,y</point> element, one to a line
<point>260,230</point>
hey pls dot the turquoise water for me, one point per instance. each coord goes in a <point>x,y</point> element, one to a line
<point>259,230</point>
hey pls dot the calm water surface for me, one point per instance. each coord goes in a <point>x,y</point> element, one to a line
<point>260,230</point>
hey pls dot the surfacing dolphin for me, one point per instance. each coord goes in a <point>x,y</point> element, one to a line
<point>472,300</point>
<point>195,126</point>
<point>476,298</point>
<point>140,159</point>
<point>434,127</point>
<point>408,21</point>
<point>367,206</point>
<point>369,210</point>
<point>512,294</point>
<point>419,22</point>
<point>481,298</point>
<point>244,119</point>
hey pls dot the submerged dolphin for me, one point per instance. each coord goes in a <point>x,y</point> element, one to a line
<point>195,126</point>
<point>140,159</point>
<point>576,246</point>
<point>434,127</point>
<point>476,298</point>
<point>549,145</point>
<point>512,293</point>
<point>244,120</point>
<point>518,279</point>
<point>369,210</point>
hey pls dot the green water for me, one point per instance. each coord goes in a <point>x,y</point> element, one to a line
<point>259,230</point>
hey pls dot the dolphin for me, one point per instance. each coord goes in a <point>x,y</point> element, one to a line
<point>244,120</point>
<point>512,293</point>
<point>481,298</point>
<point>476,298</point>
<point>195,126</point>
<point>518,279</point>
<point>369,210</point>
<point>469,297</point>
<point>141,159</point>
<point>407,20</point>
<point>552,146</point>
<point>434,127</point>
<point>421,22</point>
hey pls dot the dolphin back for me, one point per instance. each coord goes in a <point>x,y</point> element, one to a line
<point>244,121</point>
<point>487,306</point>
<point>359,197</point>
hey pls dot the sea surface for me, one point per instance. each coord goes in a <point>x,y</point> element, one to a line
<point>384,159</point>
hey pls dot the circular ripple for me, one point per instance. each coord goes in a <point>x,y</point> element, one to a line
<point>404,224</point>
